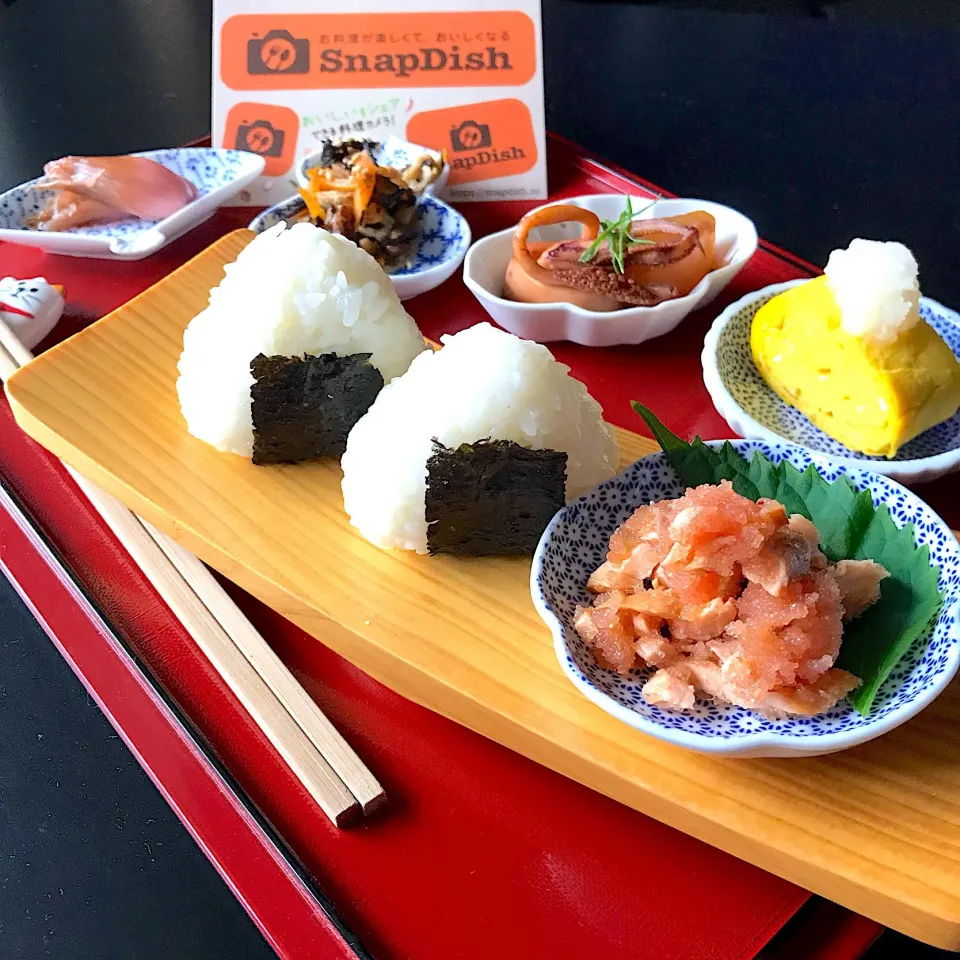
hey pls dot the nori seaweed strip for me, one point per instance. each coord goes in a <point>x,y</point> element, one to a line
<point>304,407</point>
<point>331,153</point>
<point>491,498</point>
<point>392,197</point>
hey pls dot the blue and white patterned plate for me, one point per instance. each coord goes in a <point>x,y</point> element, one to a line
<point>575,544</point>
<point>217,174</point>
<point>753,410</point>
<point>444,239</point>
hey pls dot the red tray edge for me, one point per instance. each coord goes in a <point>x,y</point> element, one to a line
<point>259,874</point>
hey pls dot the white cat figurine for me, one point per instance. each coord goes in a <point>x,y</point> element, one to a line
<point>31,308</point>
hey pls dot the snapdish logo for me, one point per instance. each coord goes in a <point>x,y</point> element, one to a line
<point>475,137</point>
<point>470,135</point>
<point>418,61</point>
<point>328,51</point>
<point>484,140</point>
<point>269,130</point>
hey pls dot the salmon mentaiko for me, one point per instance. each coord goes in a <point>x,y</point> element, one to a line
<point>730,600</point>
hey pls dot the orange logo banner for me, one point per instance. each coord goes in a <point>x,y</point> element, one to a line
<point>482,140</point>
<point>266,129</point>
<point>320,51</point>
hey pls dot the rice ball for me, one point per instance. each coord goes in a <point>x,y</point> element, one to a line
<point>483,384</point>
<point>291,291</point>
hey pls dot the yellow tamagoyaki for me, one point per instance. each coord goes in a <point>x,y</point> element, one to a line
<point>851,351</point>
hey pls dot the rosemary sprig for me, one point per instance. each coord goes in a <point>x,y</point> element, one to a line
<point>617,233</point>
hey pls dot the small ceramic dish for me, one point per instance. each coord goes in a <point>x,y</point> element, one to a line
<point>217,174</point>
<point>487,260</point>
<point>393,152</point>
<point>753,410</point>
<point>575,543</point>
<point>444,239</point>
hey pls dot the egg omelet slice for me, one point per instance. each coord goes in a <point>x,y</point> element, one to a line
<point>870,395</point>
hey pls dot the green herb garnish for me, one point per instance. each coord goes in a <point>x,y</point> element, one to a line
<point>617,233</point>
<point>851,527</point>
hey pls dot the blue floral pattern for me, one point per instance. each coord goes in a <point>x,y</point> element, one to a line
<point>575,544</point>
<point>743,382</point>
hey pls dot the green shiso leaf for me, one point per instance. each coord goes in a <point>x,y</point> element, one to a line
<point>909,600</point>
<point>694,462</point>
<point>840,511</point>
<point>851,527</point>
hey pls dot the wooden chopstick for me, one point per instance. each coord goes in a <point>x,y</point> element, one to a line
<point>309,766</point>
<point>293,723</point>
<point>337,752</point>
<point>11,343</point>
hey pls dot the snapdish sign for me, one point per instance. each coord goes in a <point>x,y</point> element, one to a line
<point>464,76</point>
<point>378,50</point>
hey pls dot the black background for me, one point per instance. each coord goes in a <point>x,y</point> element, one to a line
<point>821,121</point>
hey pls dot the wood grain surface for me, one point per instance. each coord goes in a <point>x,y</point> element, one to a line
<point>876,828</point>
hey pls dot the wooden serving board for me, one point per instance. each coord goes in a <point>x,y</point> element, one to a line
<point>876,828</point>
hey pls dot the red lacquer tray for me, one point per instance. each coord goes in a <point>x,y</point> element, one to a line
<point>480,852</point>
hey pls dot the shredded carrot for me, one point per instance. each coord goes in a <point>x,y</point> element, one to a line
<point>365,179</point>
<point>320,182</point>
<point>362,182</point>
<point>313,206</point>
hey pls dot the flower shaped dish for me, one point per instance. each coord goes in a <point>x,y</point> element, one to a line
<point>487,260</point>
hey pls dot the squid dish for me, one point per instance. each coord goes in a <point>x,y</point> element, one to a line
<point>612,264</point>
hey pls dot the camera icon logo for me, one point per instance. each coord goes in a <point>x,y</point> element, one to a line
<point>278,52</point>
<point>260,137</point>
<point>470,135</point>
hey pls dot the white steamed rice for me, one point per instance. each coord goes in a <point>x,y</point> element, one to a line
<point>292,291</point>
<point>483,384</point>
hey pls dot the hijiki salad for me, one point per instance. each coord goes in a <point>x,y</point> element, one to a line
<point>374,206</point>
